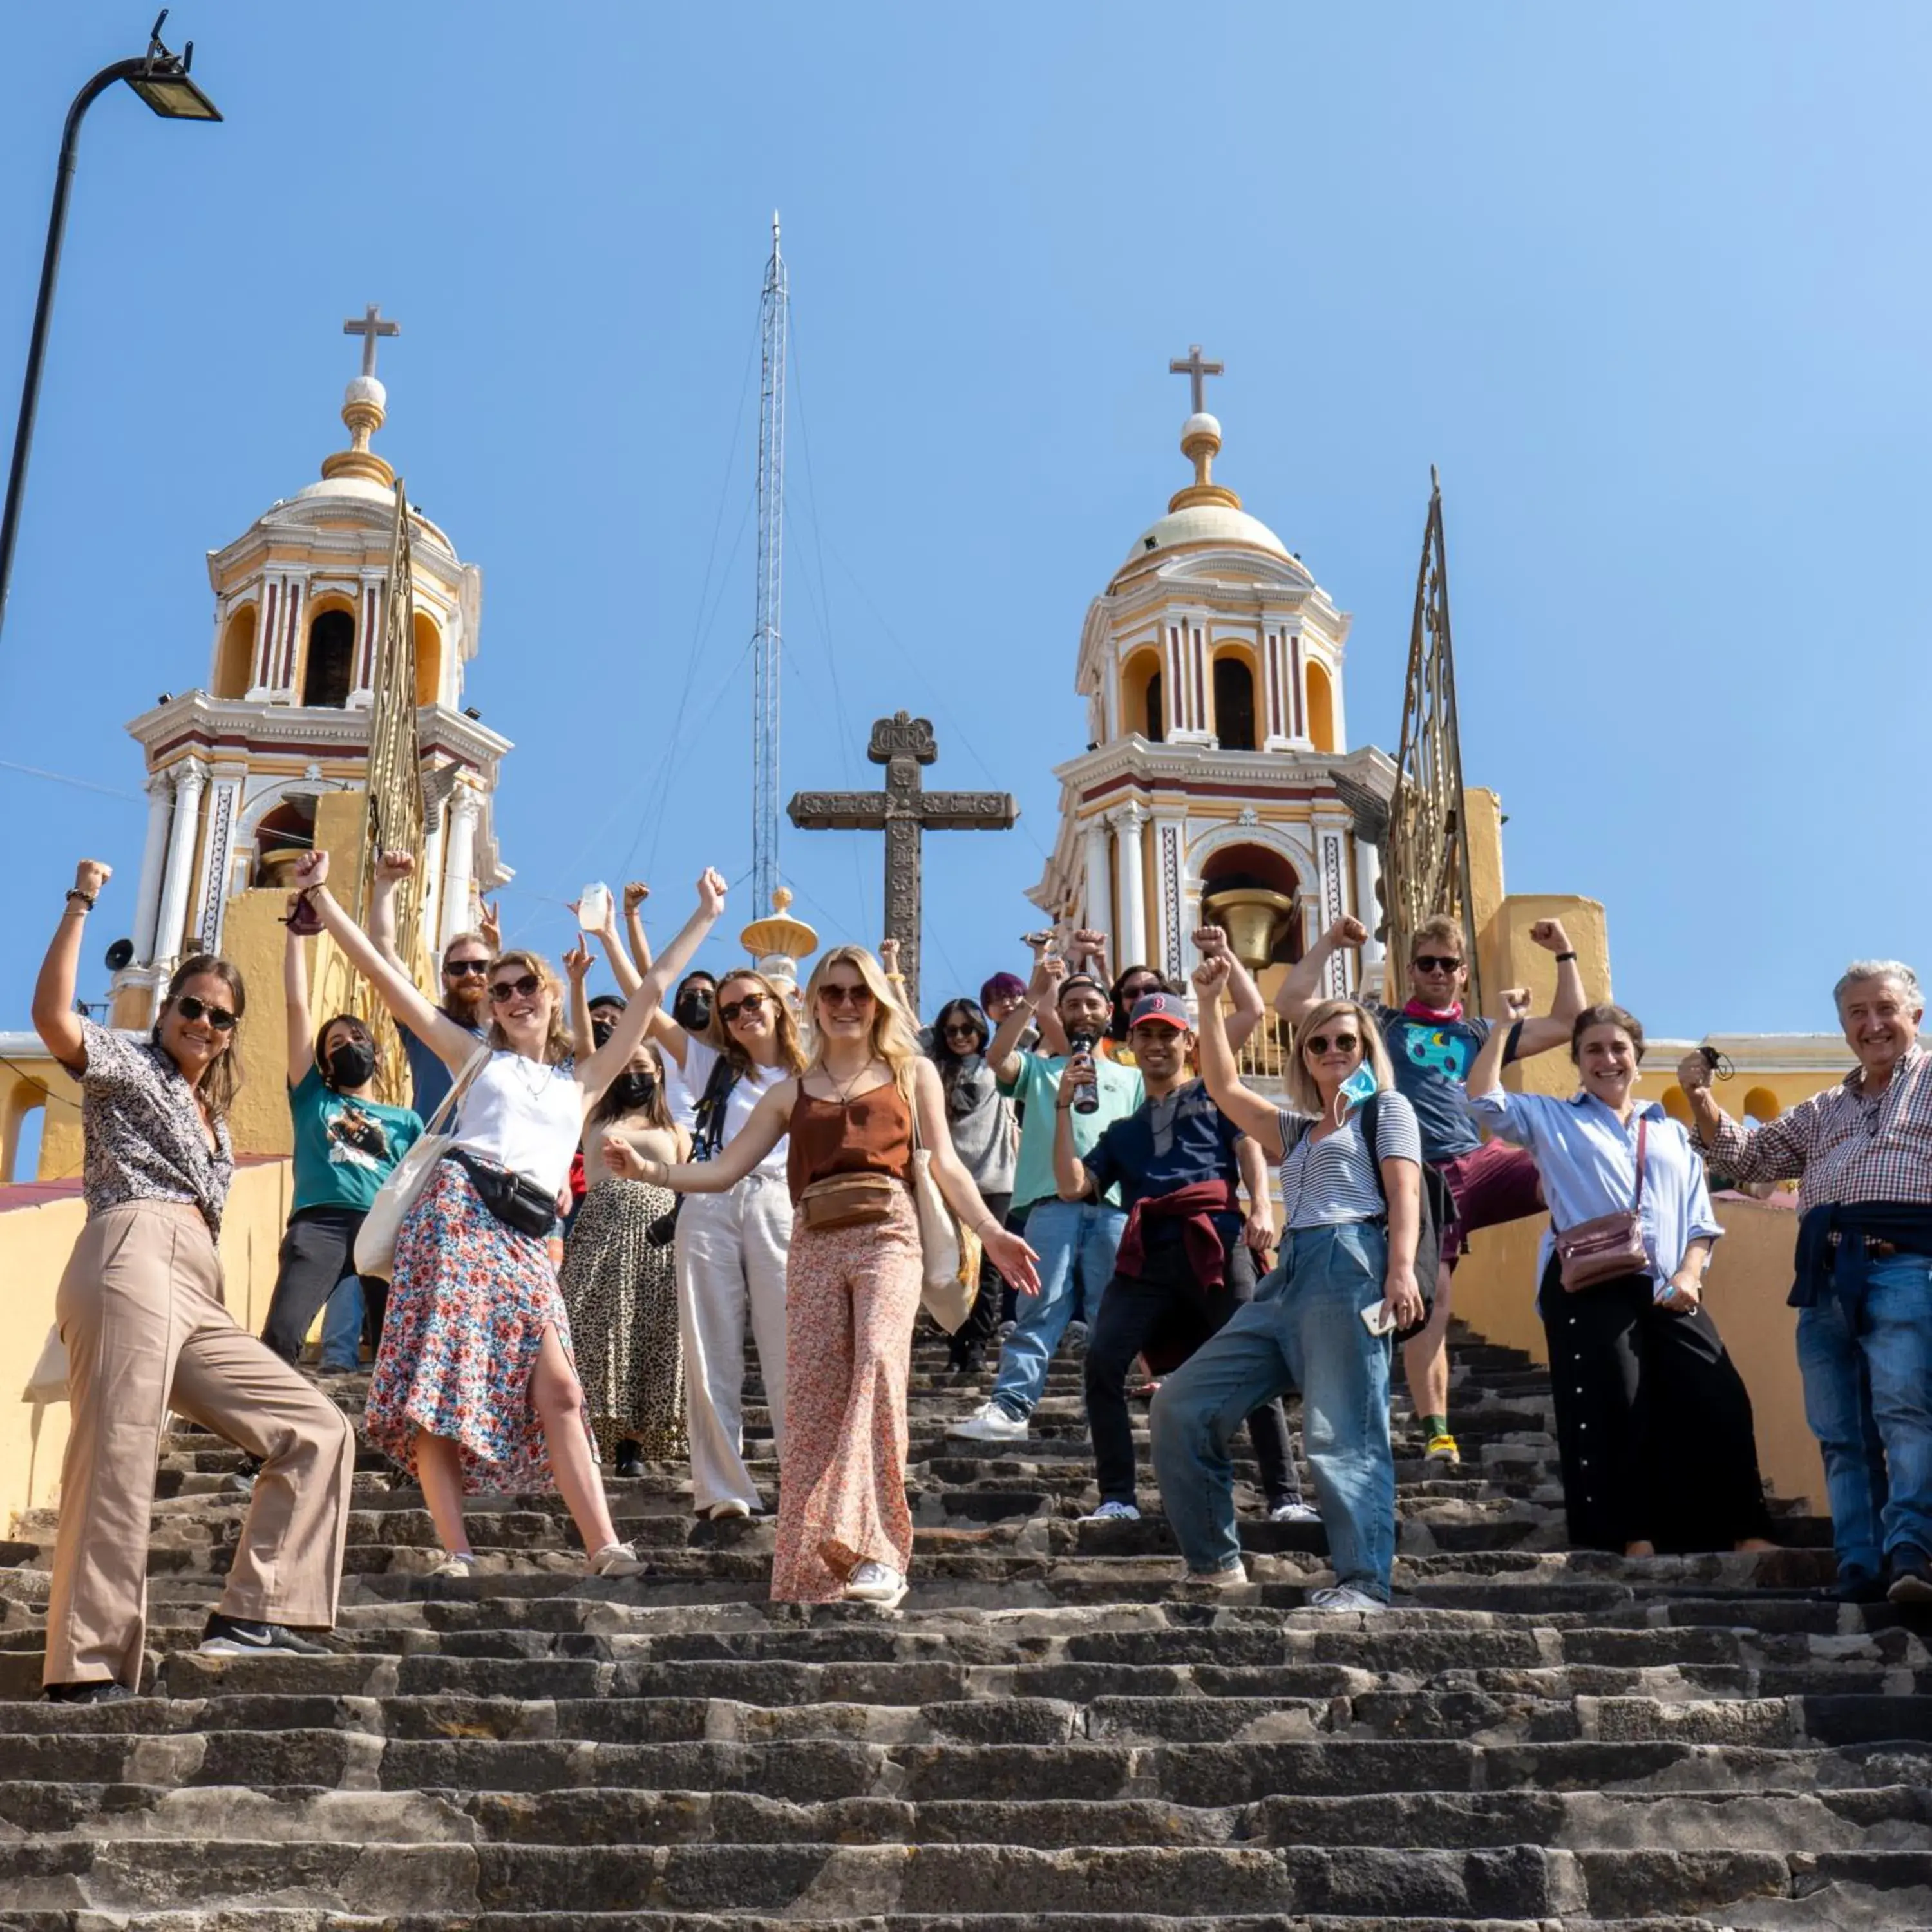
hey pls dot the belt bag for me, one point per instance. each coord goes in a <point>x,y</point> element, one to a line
<point>1611,1245</point>
<point>847,1200</point>
<point>517,1202</point>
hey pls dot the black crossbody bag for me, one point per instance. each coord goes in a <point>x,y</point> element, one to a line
<point>517,1202</point>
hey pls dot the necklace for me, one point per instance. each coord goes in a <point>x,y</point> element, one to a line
<point>532,1086</point>
<point>844,1095</point>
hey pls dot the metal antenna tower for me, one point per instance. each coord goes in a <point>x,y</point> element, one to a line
<point>774,316</point>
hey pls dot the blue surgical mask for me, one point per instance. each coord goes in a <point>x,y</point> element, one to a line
<point>1359,1086</point>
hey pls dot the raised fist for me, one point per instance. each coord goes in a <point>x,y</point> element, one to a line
<point>1694,1073</point>
<point>711,892</point>
<point>311,869</point>
<point>391,866</point>
<point>1549,933</point>
<point>1347,931</point>
<point>1516,1003</point>
<point>635,893</point>
<point>90,875</point>
<point>1211,975</point>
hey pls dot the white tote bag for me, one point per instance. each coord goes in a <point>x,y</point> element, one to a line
<point>376,1239</point>
<point>48,1383</point>
<point>949,1275</point>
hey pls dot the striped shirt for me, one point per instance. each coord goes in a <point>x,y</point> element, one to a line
<point>1843,1144</point>
<point>1332,1179</point>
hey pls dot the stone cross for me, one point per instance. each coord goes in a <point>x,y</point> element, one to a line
<point>1194,369</point>
<point>371,325</point>
<point>903,812</point>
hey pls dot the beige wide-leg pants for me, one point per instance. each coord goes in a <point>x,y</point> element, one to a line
<point>139,1309</point>
<point>731,1251</point>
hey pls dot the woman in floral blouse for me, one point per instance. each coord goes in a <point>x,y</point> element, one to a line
<point>140,1311</point>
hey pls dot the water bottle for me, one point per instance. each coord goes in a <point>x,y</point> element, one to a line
<point>593,907</point>
<point>1087,1097</point>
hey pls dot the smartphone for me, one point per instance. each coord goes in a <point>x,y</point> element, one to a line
<point>1378,1321</point>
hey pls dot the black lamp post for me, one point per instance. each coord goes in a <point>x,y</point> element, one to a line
<point>161,79</point>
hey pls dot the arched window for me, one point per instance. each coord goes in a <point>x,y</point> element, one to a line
<point>1321,708</point>
<point>429,659</point>
<point>1234,703</point>
<point>330,671</point>
<point>1156,729</point>
<point>235,667</point>
<point>281,837</point>
<point>1141,707</point>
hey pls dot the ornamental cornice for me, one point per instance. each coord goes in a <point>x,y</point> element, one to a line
<point>1143,762</point>
<point>212,725</point>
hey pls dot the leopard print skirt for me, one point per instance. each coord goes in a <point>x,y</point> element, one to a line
<point>620,1287</point>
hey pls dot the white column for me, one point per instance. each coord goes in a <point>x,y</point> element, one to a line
<point>1131,939</point>
<point>190,781</point>
<point>1100,876</point>
<point>459,876</point>
<point>160,790</point>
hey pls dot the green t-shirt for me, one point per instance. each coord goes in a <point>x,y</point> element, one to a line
<point>1037,1090</point>
<point>345,1149</point>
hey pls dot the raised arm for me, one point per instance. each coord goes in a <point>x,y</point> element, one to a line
<point>770,1121</point>
<point>392,869</point>
<point>1553,1028</point>
<point>1007,1252</point>
<point>604,1066</point>
<point>1299,992</point>
<point>1778,1151</point>
<point>635,893</point>
<point>628,977</point>
<point>577,971</point>
<point>294,1001</point>
<point>1248,1009</point>
<point>1002,1055</point>
<point>1070,1179</point>
<point>889,965</point>
<point>54,1019</point>
<point>1257,1117</point>
<point>453,1045</point>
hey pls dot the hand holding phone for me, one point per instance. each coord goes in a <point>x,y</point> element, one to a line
<point>1377,1320</point>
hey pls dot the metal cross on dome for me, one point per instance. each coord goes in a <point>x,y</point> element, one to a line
<point>370,326</point>
<point>1194,369</point>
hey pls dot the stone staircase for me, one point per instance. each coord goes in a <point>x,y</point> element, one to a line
<point>1050,1734</point>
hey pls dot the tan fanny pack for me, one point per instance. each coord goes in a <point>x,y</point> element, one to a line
<point>846,1201</point>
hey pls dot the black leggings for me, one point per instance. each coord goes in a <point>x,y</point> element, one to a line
<point>317,1251</point>
<point>1653,1422</point>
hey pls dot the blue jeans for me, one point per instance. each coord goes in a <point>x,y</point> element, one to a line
<point>1868,1398</point>
<point>342,1326</point>
<point>1306,1334</point>
<point>1072,1237</point>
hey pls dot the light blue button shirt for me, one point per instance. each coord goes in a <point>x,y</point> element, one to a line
<point>1588,1159</point>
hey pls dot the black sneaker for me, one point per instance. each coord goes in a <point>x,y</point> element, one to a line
<point>1911,1575</point>
<point>241,1637</point>
<point>630,1458</point>
<point>98,1690</point>
<point>1860,1587</point>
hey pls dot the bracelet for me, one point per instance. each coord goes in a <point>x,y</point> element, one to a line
<point>1561,957</point>
<point>85,898</point>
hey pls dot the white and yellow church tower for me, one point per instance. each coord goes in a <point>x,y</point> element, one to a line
<point>1217,785</point>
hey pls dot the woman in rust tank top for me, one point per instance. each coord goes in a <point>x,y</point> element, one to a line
<point>852,1283</point>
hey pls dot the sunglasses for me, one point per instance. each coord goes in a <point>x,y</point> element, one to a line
<point>1140,990</point>
<point>846,996</point>
<point>751,1004</point>
<point>461,969</point>
<point>522,988</point>
<point>1434,962</point>
<point>962,1030</point>
<point>219,1018</point>
<point>1343,1042</point>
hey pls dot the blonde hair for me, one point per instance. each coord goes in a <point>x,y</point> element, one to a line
<point>1303,1095</point>
<point>785,1026</point>
<point>557,1046</point>
<point>893,1039</point>
<point>1442,929</point>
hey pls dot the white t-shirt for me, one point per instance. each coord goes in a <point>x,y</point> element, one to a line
<point>687,1088</point>
<point>525,1116</point>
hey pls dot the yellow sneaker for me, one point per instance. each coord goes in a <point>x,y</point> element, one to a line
<point>1442,1449</point>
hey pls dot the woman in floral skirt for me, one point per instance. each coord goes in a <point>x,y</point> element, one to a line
<point>475,1388</point>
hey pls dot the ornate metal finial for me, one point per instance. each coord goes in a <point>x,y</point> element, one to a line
<point>369,328</point>
<point>1194,369</point>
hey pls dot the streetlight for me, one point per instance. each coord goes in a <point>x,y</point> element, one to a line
<point>161,79</point>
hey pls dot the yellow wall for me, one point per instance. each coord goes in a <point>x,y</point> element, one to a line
<point>1749,1277</point>
<point>34,1243</point>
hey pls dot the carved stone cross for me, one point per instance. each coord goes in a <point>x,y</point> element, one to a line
<point>1196,370</point>
<point>903,812</point>
<point>369,328</point>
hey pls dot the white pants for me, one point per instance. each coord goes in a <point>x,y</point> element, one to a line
<point>731,1253</point>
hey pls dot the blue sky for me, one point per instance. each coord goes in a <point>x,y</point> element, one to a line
<point>1649,284</point>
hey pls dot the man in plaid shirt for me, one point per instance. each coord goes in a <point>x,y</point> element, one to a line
<point>1862,1153</point>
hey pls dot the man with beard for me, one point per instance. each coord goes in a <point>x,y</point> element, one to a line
<point>465,968</point>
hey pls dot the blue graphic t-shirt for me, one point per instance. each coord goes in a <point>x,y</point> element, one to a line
<point>1431,1059</point>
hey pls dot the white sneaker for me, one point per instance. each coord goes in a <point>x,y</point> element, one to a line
<point>991,1423</point>
<point>1234,1577</point>
<point>731,1506</point>
<point>1344,1596</point>
<point>615,1559</point>
<point>874,1583</point>
<point>1113,1512</point>
<point>1295,1513</point>
<point>459,1564</point>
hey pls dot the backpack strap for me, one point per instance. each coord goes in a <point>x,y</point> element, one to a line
<point>708,1117</point>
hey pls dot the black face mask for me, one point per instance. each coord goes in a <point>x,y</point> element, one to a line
<point>633,1092</point>
<point>601,1030</point>
<point>352,1064</point>
<point>693,1009</point>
